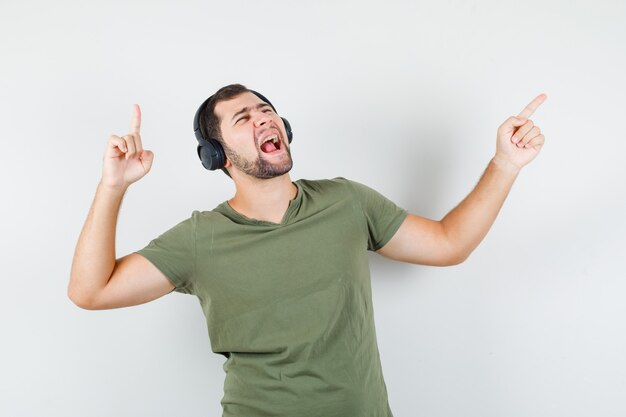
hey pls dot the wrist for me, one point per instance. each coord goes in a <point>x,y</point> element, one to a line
<point>505,165</point>
<point>112,188</point>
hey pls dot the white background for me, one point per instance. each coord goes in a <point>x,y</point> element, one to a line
<point>403,96</point>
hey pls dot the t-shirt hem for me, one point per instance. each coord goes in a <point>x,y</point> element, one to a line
<point>391,231</point>
<point>154,260</point>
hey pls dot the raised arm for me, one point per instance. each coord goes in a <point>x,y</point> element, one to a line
<point>97,279</point>
<point>452,239</point>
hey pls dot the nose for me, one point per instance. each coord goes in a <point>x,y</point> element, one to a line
<point>262,118</point>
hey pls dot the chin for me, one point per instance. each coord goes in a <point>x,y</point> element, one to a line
<point>262,167</point>
<point>273,172</point>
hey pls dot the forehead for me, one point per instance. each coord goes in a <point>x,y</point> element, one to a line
<point>226,109</point>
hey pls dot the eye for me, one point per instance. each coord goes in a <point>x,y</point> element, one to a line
<point>241,118</point>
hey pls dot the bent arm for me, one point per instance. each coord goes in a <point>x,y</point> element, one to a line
<point>97,279</point>
<point>452,239</point>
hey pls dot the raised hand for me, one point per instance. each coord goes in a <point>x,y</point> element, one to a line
<point>125,160</point>
<point>519,140</point>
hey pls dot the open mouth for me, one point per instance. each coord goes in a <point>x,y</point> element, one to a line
<point>271,144</point>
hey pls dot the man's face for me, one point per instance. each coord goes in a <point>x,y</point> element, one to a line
<point>255,140</point>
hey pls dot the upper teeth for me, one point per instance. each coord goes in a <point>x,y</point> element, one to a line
<point>273,138</point>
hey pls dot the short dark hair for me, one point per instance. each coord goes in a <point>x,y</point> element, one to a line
<point>209,121</point>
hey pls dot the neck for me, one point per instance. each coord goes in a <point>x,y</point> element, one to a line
<point>266,199</point>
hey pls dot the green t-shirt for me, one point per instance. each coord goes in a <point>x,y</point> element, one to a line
<point>289,305</point>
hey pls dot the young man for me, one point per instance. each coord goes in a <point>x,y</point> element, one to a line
<point>281,269</point>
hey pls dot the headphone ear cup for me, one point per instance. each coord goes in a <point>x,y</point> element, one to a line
<point>288,129</point>
<point>211,154</point>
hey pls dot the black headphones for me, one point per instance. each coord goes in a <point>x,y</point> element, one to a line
<point>210,151</point>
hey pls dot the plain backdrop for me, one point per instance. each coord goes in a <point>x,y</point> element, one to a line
<point>404,96</point>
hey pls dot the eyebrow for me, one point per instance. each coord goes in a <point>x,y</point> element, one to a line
<point>247,109</point>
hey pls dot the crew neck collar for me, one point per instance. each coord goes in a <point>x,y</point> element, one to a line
<point>226,209</point>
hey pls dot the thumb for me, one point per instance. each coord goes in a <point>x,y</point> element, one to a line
<point>510,124</point>
<point>518,121</point>
<point>146,159</point>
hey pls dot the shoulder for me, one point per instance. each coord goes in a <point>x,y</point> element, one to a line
<point>337,183</point>
<point>219,214</point>
<point>339,187</point>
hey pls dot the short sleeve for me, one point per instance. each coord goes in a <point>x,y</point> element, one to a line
<point>381,216</point>
<point>174,254</point>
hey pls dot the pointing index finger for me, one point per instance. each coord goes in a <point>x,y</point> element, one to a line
<point>532,106</point>
<point>135,121</point>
